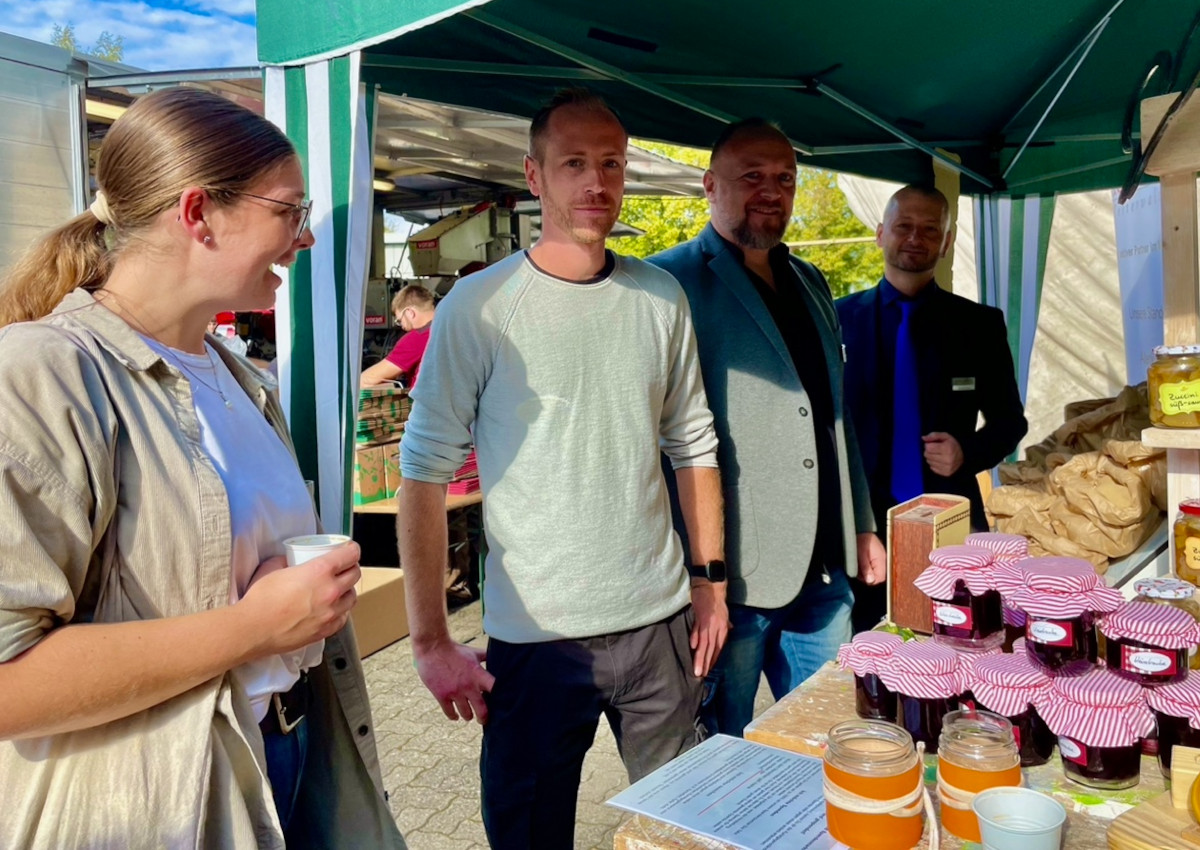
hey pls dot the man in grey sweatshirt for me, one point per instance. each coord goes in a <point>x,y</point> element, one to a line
<point>571,369</point>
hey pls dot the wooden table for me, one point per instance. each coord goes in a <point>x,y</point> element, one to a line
<point>388,506</point>
<point>800,722</point>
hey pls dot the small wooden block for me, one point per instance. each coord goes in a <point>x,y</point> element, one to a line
<point>1185,767</point>
<point>1192,834</point>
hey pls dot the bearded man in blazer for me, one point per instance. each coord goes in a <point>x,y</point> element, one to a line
<point>798,518</point>
<point>962,367</point>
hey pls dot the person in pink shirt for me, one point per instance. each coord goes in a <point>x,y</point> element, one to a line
<point>413,308</point>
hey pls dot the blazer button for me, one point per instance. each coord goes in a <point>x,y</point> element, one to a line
<point>804,411</point>
<point>808,464</point>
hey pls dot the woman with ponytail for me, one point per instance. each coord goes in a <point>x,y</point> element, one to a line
<point>165,681</point>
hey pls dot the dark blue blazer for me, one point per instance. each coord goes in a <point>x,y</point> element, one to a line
<point>963,354</point>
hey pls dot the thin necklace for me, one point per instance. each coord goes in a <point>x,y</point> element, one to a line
<point>216,385</point>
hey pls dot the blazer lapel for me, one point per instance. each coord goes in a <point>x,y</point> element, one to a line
<point>727,268</point>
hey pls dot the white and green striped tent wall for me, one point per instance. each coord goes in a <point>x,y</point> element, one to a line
<point>329,116</point>
<point>1012,236</point>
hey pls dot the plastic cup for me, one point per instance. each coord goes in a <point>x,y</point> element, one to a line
<point>1019,819</point>
<point>302,549</point>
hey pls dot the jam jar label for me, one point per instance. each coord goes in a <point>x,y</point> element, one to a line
<point>1050,632</point>
<point>1181,397</point>
<point>1072,750</point>
<point>1148,662</point>
<point>955,616</point>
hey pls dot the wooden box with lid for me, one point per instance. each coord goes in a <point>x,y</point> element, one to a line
<point>916,528</point>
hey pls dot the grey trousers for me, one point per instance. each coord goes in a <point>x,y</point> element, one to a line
<point>542,716</point>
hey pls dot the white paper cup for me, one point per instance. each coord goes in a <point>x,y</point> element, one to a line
<point>1019,819</point>
<point>301,549</point>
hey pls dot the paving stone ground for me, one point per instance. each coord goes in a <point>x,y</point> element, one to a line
<point>431,765</point>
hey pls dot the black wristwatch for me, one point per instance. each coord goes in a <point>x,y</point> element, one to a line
<point>714,571</point>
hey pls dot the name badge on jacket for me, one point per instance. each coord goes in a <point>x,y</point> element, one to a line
<point>960,385</point>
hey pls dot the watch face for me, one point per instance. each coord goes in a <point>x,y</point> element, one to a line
<point>716,570</point>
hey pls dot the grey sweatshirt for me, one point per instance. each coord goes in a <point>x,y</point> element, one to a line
<point>571,390</point>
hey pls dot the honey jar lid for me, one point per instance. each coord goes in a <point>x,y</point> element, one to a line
<point>1175,350</point>
<point>1163,626</point>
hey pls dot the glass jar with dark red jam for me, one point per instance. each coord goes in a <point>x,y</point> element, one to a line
<point>1177,714</point>
<point>1100,719</point>
<point>1035,741</point>
<point>873,700</point>
<point>925,678</point>
<point>1105,768</point>
<point>1066,646</point>
<point>1149,643</point>
<point>967,616</point>
<point>1010,686</point>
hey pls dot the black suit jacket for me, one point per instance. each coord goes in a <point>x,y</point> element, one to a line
<point>965,347</point>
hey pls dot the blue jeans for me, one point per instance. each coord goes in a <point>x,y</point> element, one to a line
<point>788,644</point>
<point>286,755</point>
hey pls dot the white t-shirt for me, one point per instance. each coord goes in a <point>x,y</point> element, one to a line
<point>268,500</point>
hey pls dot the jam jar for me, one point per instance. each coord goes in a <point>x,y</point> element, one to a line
<point>863,656</point>
<point>976,751</point>
<point>1060,598</point>
<point>1174,386</point>
<point>1177,714</point>
<point>924,676</point>
<point>967,611</point>
<point>1149,643</point>
<point>1187,541</point>
<point>1011,685</point>
<point>1100,719</point>
<point>867,761</point>
<point>1176,593</point>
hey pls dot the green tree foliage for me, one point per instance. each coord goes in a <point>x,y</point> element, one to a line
<point>820,213</point>
<point>108,46</point>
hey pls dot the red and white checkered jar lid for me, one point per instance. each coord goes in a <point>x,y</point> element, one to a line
<point>1055,587</point>
<point>1178,699</point>
<point>922,669</point>
<point>868,651</point>
<point>1158,625</point>
<point>949,565</point>
<point>1004,547</point>
<point>1004,684</point>
<point>1098,708</point>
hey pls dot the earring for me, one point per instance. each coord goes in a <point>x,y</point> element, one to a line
<point>207,240</point>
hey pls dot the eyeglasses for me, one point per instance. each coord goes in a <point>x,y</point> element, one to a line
<point>300,212</point>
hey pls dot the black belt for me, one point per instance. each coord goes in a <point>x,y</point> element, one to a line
<point>286,710</point>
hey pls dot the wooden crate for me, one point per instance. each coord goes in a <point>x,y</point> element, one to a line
<point>916,528</point>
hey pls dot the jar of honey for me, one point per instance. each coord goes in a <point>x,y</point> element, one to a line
<point>977,751</point>
<point>864,656</point>
<point>1149,643</point>
<point>1187,541</point>
<point>1100,720</point>
<point>873,786</point>
<point>1174,386</point>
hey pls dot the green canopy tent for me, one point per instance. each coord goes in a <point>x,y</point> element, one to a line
<point>1023,98</point>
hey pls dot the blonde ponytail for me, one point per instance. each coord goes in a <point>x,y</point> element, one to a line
<point>68,257</point>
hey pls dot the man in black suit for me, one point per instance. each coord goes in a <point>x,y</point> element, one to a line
<point>921,365</point>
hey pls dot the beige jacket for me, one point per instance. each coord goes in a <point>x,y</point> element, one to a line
<point>110,510</point>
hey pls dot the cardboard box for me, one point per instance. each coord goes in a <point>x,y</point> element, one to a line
<point>914,529</point>
<point>391,469</point>
<point>369,479</point>
<point>379,617</point>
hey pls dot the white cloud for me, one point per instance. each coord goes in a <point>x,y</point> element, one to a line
<point>186,34</point>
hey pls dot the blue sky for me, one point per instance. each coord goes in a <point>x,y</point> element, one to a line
<point>160,35</point>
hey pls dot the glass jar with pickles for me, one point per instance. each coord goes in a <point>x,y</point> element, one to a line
<point>1187,541</point>
<point>1174,386</point>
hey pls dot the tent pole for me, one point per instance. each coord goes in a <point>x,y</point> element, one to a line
<point>611,71</point>
<point>899,134</point>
